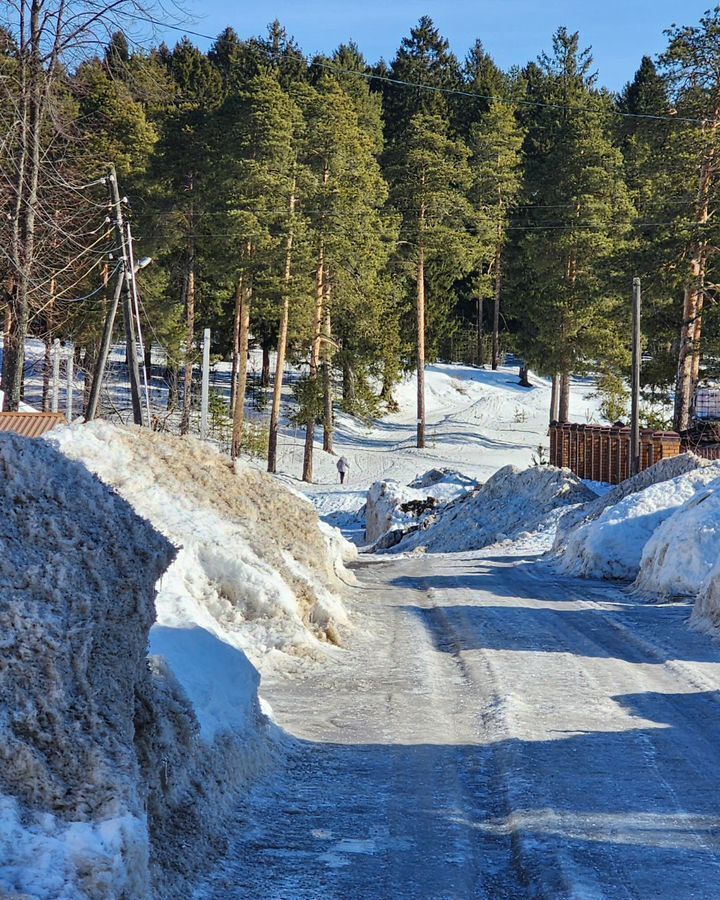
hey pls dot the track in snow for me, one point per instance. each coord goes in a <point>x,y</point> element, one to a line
<point>499,732</point>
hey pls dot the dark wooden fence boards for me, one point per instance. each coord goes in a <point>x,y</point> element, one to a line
<point>602,452</point>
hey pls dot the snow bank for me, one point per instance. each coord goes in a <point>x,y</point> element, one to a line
<point>612,545</point>
<point>253,568</point>
<point>684,549</point>
<point>661,471</point>
<point>511,503</point>
<point>395,507</point>
<point>77,575</point>
<point>706,612</point>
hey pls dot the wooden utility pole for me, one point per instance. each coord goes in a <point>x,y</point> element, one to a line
<point>420,443</point>
<point>636,363</point>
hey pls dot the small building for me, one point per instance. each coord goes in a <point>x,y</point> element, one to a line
<point>30,424</point>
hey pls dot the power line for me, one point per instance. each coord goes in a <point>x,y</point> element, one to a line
<point>471,95</point>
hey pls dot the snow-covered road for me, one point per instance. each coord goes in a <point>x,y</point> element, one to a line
<point>493,730</point>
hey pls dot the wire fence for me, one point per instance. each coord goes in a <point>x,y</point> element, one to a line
<point>58,379</point>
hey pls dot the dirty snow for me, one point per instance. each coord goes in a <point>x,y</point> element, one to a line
<point>77,572</point>
<point>512,503</point>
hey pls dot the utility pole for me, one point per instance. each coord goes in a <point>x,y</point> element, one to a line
<point>205,391</point>
<point>135,319</point>
<point>635,391</point>
<point>124,286</point>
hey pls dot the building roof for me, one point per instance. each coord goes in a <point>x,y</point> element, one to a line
<point>30,424</point>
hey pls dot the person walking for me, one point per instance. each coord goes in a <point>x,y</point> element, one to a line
<point>342,467</point>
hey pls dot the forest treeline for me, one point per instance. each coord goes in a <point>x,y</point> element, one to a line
<point>355,216</point>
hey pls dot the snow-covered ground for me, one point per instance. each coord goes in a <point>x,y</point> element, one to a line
<point>463,722</point>
<point>478,422</point>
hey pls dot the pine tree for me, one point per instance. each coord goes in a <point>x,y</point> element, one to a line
<point>345,220</point>
<point>579,214</point>
<point>691,65</point>
<point>257,132</point>
<point>496,163</point>
<point>429,183</point>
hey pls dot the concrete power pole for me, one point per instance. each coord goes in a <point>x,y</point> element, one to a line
<point>125,288</point>
<point>635,390</point>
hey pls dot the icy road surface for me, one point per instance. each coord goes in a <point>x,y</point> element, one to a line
<point>494,730</point>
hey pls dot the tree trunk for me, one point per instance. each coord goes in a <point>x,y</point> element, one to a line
<point>189,337</point>
<point>281,344</point>
<point>307,473</point>
<point>523,375</point>
<point>686,354</point>
<point>147,362</point>
<point>173,379</point>
<point>327,385</point>
<point>564,399</point>
<point>24,215</point>
<point>479,333</point>
<point>421,347</point>
<point>496,311</point>
<point>554,399</point>
<point>689,350</point>
<point>236,343</point>
<point>7,328</point>
<point>348,385</point>
<point>245,293</point>
<point>265,371</point>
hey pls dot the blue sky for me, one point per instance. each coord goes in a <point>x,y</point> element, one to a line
<point>513,31</point>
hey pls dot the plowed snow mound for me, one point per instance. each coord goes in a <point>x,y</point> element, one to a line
<point>77,573</point>
<point>253,564</point>
<point>395,507</point>
<point>612,545</point>
<point>511,503</point>
<point>684,549</point>
<point>706,612</point>
<point>661,471</point>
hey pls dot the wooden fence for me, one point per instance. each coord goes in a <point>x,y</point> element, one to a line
<point>602,452</point>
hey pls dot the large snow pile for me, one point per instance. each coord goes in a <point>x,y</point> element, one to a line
<point>706,611</point>
<point>682,552</point>
<point>393,507</point>
<point>511,503</point>
<point>77,574</point>
<point>661,471</point>
<point>612,545</point>
<point>253,568</point>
